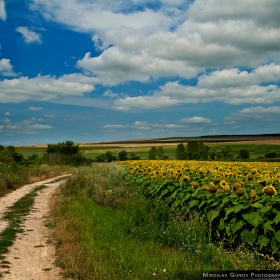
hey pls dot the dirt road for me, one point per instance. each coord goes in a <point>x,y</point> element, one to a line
<point>32,254</point>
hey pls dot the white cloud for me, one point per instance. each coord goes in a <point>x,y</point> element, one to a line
<point>7,114</point>
<point>110,94</point>
<point>138,45</point>
<point>29,36</point>
<point>32,108</point>
<point>29,126</point>
<point>196,120</point>
<point>262,12</point>
<point>254,114</point>
<point>114,126</point>
<point>99,16</point>
<point>195,123</point>
<point>3,14</point>
<point>230,86</point>
<point>6,69</point>
<point>143,102</point>
<point>44,88</point>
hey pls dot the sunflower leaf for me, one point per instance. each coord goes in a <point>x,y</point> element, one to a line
<point>249,236</point>
<point>253,218</point>
<point>263,240</point>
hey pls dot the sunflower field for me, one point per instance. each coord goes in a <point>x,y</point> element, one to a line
<point>239,200</point>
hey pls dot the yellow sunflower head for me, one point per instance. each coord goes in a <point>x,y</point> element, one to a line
<point>186,179</point>
<point>253,194</point>
<point>195,185</point>
<point>269,190</point>
<point>223,183</point>
<point>212,188</point>
<point>240,192</point>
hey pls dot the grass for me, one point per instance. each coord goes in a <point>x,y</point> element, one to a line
<point>14,176</point>
<point>106,229</point>
<point>15,216</point>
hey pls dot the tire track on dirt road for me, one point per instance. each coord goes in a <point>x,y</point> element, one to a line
<point>32,254</point>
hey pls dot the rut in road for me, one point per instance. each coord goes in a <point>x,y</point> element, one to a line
<point>32,254</point>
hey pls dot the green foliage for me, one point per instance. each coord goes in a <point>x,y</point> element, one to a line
<point>123,155</point>
<point>133,156</point>
<point>272,155</point>
<point>244,154</point>
<point>67,148</point>
<point>106,157</point>
<point>181,152</point>
<point>152,153</point>
<point>197,150</point>
<point>65,153</point>
<point>11,149</point>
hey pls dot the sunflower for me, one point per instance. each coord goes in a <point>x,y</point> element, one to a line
<point>186,179</point>
<point>240,192</point>
<point>269,190</point>
<point>212,188</point>
<point>195,185</point>
<point>223,183</point>
<point>253,195</point>
<point>173,176</point>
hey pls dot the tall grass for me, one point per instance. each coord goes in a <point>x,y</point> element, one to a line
<point>106,229</point>
<point>13,176</point>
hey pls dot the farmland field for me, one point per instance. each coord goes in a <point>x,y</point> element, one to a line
<point>239,199</point>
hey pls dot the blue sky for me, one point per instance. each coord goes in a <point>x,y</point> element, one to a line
<point>101,70</point>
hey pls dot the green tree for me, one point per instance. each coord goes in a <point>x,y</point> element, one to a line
<point>244,153</point>
<point>227,152</point>
<point>180,151</point>
<point>197,150</point>
<point>122,156</point>
<point>11,149</point>
<point>160,152</point>
<point>152,153</point>
<point>2,148</point>
<point>133,156</point>
<point>67,148</point>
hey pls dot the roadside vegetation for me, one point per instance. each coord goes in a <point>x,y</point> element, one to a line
<point>108,227</point>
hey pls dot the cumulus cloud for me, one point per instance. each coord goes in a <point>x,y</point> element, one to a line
<point>6,69</point>
<point>3,14</point>
<point>44,88</point>
<point>7,114</point>
<point>141,44</point>
<point>29,36</point>
<point>110,94</point>
<point>29,126</point>
<point>258,113</point>
<point>230,86</point>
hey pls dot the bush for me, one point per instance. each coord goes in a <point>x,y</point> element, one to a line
<point>244,154</point>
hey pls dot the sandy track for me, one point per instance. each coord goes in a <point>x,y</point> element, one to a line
<point>32,255</point>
